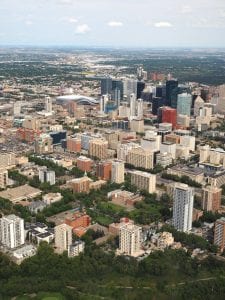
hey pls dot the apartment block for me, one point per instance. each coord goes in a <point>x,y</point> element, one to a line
<point>143,181</point>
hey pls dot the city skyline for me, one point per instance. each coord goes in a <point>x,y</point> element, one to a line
<point>113,23</point>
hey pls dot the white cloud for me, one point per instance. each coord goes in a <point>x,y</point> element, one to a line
<point>65,1</point>
<point>163,25</point>
<point>82,29</point>
<point>28,23</point>
<point>72,20</point>
<point>115,24</point>
<point>186,9</point>
<point>222,13</point>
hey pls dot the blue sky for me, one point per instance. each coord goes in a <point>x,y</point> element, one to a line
<point>128,23</point>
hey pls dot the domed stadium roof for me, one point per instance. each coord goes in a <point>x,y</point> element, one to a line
<point>84,100</point>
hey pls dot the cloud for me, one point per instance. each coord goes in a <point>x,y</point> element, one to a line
<point>28,23</point>
<point>72,20</point>
<point>65,1</point>
<point>82,29</point>
<point>163,24</point>
<point>115,24</point>
<point>186,9</point>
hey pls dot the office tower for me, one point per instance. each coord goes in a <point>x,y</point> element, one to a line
<point>181,89</point>
<point>116,96</point>
<point>143,181</point>
<point>73,144</point>
<point>140,88</point>
<point>140,158</point>
<point>140,108</point>
<point>98,148</point>
<point>132,106</point>
<point>104,170</point>
<point>140,71</point>
<point>170,86</point>
<point>198,104</point>
<point>169,115</point>
<point>157,102</point>
<point>3,178</point>
<point>103,102</point>
<point>16,108</point>
<point>211,198</point>
<point>219,233</point>
<point>63,237</point>
<point>130,87</point>
<point>106,86</point>
<point>130,240</point>
<point>182,207</point>
<point>12,231</point>
<point>84,163</point>
<point>117,89</point>
<point>48,104</point>
<point>43,144</point>
<point>184,104</point>
<point>46,175</point>
<point>221,99</point>
<point>117,171</point>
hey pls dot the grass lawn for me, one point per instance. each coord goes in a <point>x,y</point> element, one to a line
<point>104,220</point>
<point>49,296</point>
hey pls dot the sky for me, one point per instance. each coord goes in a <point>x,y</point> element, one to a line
<point>113,23</point>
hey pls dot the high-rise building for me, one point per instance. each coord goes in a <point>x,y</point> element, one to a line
<point>117,90</point>
<point>211,198</point>
<point>137,125</point>
<point>184,102</point>
<point>157,102</point>
<point>130,240</point>
<point>98,148</point>
<point>140,158</point>
<point>106,86</point>
<point>103,102</point>
<point>84,163</point>
<point>169,115</point>
<point>7,160</point>
<point>123,150</point>
<point>104,170</point>
<point>3,178</point>
<point>12,231</point>
<point>76,248</point>
<point>140,108</point>
<point>219,233</point>
<point>46,175</point>
<point>73,144</point>
<point>143,181</point>
<point>63,237</point>
<point>48,104</point>
<point>43,144</point>
<point>130,87</point>
<point>140,88</point>
<point>17,108</point>
<point>182,207</point>
<point>132,106</point>
<point>117,171</point>
<point>170,86</point>
<point>198,104</point>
